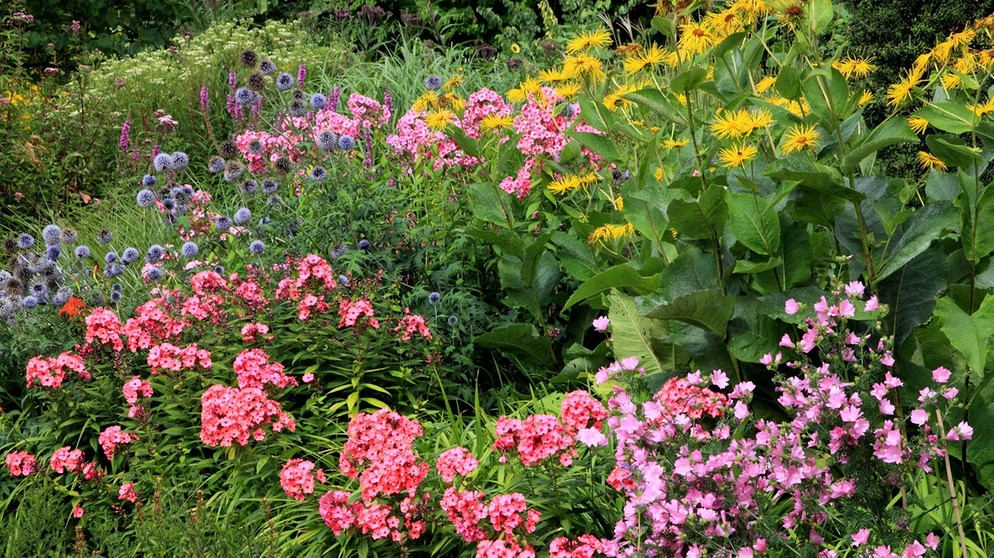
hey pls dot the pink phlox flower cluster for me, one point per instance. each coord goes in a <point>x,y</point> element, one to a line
<point>312,273</point>
<point>465,509</point>
<point>51,372</point>
<point>479,105</point>
<point>585,546</point>
<point>254,370</point>
<point>297,477</point>
<point>679,397</point>
<point>520,185</point>
<point>455,461</point>
<point>208,282</point>
<point>251,330</point>
<point>66,459</point>
<point>368,113</point>
<point>310,302</point>
<point>351,311</point>
<point>629,364</point>
<point>21,463</point>
<point>327,119</point>
<point>508,512</point>
<point>104,325</point>
<point>112,437</point>
<point>208,307</point>
<point>379,453</point>
<point>127,493</point>
<point>535,439</point>
<point>584,415</point>
<point>230,415</point>
<point>152,324</point>
<point>251,293</point>
<point>416,140</point>
<point>273,146</point>
<point>502,548</point>
<point>167,356</point>
<point>411,324</point>
<point>133,389</point>
<point>336,511</point>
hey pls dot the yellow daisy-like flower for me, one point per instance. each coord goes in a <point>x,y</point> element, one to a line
<point>918,124</point>
<point>583,65</point>
<point>865,98</point>
<point>695,38</point>
<point>658,173</point>
<point>453,82</point>
<point>438,120</point>
<point>791,15</point>
<point>966,64</point>
<point>619,203</point>
<point>725,23</point>
<point>568,89</point>
<point>921,63</point>
<point>586,41</point>
<point>764,84</point>
<point>850,67</point>
<point>649,59</point>
<point>452,101</point>
<point>628,50</point>
<point>520,94</point>
<point>733,125</point>
<point>610,232</point>
<point>674,144</point>
<point>950,80</point>
<point>493,122</point>
<point>900,92</point>
<point>929,161</point>
<point>553,75</point>
<point>981,110</point>
<point>564,184</point>
<point>759,119</point>
<point>515,49</point>
<point>425,102</point>
<point>737,156</point>
<point>800,138</point>
<point>614,98</point>
<point>986,59</point>
<point>750,8</point>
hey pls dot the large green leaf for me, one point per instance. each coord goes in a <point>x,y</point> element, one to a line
<point>599,144</point>
<point>635,335</point>
<point>489,206</point>
<point>466,143</point>
<point>890,132</point>
<point>980,451</point>
<point>978,237</point>
<point>788,83</point>
<point>755,224</point>
<point>827,93</point>
<point>916,235</point>
<point>953,151</point>
<point>910,292</point>
<point>709,310</point>
<point>617,277</point>
<point>689,80</point>
<point>968,334</point>
<point>653,99</point>
<point>948,116</point>
<point>520,340</point>
<point>823,179</point>
<point>702,219</point>
<point>576,255</point>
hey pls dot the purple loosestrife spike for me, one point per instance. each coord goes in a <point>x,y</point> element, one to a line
<point>336,94</point>
<point>367,137</point>
<point>125,135</point>
<point>388,100</point>
<point>232,80</point>
<point>301,75</point>
<point>204,99</point>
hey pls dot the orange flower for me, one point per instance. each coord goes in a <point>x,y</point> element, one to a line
<point>72,307</point>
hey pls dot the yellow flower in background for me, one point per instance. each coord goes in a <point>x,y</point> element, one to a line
<point>452,101</point>
<point>900,92</point>
<point>610,232</point>
<point>520,94</point>
<point>921,63</point>
<point>760,118</point>
<point>515,49</point>
<point>425,102</point>
<point>751,9</point>
<point>674,144</point>
<point>918,124</point>
<point>791,14</point>
<point>966,64</point>
<point>564,184</point>
<point>568,89</point>
<point>619,203</point>
<point>493,122</point>
<point>553,75</point>
<point>850,67</point>
<point>865,98</point>
<point>765,83</point>
<point>928,161</point>
<point>659,173</point>
<point>438,120</point>
<point>737,156</point>
<point>986,59</point>
<point>583,65</point>
<point>649,59</point>
<point>628,50</point>
<point>734,125</point>
<point>725,23</point>
<point>586,41</point>
<point>614,98</point>
<point>800,138</point>
<point>695,38</point>
<point>950,80</point>
<point>986,108</point>
<point>453,82</point>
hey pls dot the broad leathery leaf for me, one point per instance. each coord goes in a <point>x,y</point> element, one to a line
<point>618,277</point>
<point>949,117</point>
<point>635,335</point>
<point>916,235</point>
<point>890,132</point>
<point>910,292</point>
<point>953,151</point>
<point>968,334</point>
<point>756,225</point>
<point>654,100</point>
<point>708,310</point>
<point>519,339</point>
<point>978,237</point>
<point>599,144</point>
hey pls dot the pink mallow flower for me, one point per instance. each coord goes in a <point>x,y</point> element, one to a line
<point>961,431</point>
<point>601,323</point>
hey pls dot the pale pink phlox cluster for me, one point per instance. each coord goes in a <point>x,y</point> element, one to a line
<point>51,372</point>
<point>297,477</point>
<point>236,415</point>
<point>254,370</point>
<point>112,437</point>
<point>169,357</point>
<point>21,463</point>
<point>411,324</point>
<point>104,325</point>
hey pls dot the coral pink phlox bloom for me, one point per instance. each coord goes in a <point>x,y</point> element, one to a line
<point>21,463</point>
<point>455,461</point>
<point>298,477</point>
<point>105,326</point>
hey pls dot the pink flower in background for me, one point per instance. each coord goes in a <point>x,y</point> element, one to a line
<point>112,437</point>
<point>941,375</point>
<point>855,289</point>
<point>455,461</point>
<point>127,493</point>
<point>77,511</point>
<point>790,307</point>
<point>411,324</point>
<point>336,511</point>
<point>66,459</point>
<point>21,463</point>
<point>105,326</point>
<point>298,477</point>
<point>601,323</point>
<point>871,304</point>
<point>236,415</point>
<point>961,431</point>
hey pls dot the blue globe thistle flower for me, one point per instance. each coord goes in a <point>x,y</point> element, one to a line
<point>52,235</point>
<point>250,187</point>
<point>269,187</point>
<point>62,296</point>
<point>338,250</point>
<point>162,162</point>
<point>180,161</point>
<point>222,223</point>
<point>257,247</point>
<point>53,253</point>
<point>154,254</point>
<point>327,140</point>
<point>110,257</point>
<point>145,198</point>
<point>318,101</point>
<point>267,67</point>
<point>346,142</point>
<point>169,204</point>
<point>318,174</point>
<point>242,216</point>
<point>113,270</point>
<point>69,236</point>
<point>29,302</point>
<point>264,221</point>
<point>130,256</point>
<point>153,274</point>
<point>149,180</point>
<point>117,287</point>
<point>452,321</point>
<point>39,290</point>
<point>255,147</point>
<point>244,96</point>
<point>364,245</point>
<point>25,241</point>
<point>219,269</point>
<point>433,83</point>
<point>344,280</point>
<point>105,236</point>
<point>82,251</point>
<point>434,298</point>
<point>216,165</point>
<point>115,297</point>
<point>284,81</point>
<point>6,307</point>
<point>189,249</point>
